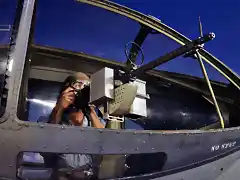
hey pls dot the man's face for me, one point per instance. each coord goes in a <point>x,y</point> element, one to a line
<point>77,117</point>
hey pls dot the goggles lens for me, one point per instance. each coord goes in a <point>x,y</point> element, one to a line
<point>80,84</point>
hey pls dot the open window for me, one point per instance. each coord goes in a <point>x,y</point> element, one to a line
<point>72,44</point>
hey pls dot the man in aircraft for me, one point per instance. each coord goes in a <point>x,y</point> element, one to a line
<point>67,97</point>
<point>66,113</point>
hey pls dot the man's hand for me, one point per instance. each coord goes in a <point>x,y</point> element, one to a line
<point>66,98</point>
<point>94,118</point>
<point>92,108</point>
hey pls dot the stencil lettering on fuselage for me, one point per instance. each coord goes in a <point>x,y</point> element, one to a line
<point>223,146</point>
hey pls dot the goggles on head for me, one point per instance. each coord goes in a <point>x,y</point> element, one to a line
<point>80,84</point>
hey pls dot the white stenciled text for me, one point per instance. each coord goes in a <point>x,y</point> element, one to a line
<point>223,146</point>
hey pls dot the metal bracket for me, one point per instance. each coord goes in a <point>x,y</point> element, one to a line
<point>113,118</point>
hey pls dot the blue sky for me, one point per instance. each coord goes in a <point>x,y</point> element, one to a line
<point>78,27</point>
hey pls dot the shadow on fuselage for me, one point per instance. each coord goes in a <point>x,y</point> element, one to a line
<point>145,163</point>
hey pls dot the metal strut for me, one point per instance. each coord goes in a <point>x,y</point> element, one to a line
<point>198,56</point>
<point>210,88</point>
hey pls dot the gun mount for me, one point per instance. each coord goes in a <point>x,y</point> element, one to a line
<point>117,98</point>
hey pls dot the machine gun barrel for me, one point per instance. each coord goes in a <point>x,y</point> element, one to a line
<point>177,52</point>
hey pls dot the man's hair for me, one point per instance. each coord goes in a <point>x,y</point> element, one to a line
<point>71,79</point>
<point>81,76</point>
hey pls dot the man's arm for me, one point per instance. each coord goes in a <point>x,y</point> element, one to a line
<point>64,101</point>
<point>95,119</point>
<point>56,115</point>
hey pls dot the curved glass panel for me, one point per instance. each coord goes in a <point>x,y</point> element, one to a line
<point>214,75</point>
<point>182,65</point>
<point>98,32</point>
<point>84,28</point>
<point>156,45</point>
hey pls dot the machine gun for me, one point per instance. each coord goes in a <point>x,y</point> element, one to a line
<point>120,93</point>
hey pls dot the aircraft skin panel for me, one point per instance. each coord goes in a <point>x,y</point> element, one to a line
<point>232,173</point>
<point>226,168</point>
<point>187,147</point>
<point>222,169</point>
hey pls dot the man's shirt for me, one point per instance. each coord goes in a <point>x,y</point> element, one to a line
<point>76,160</point>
